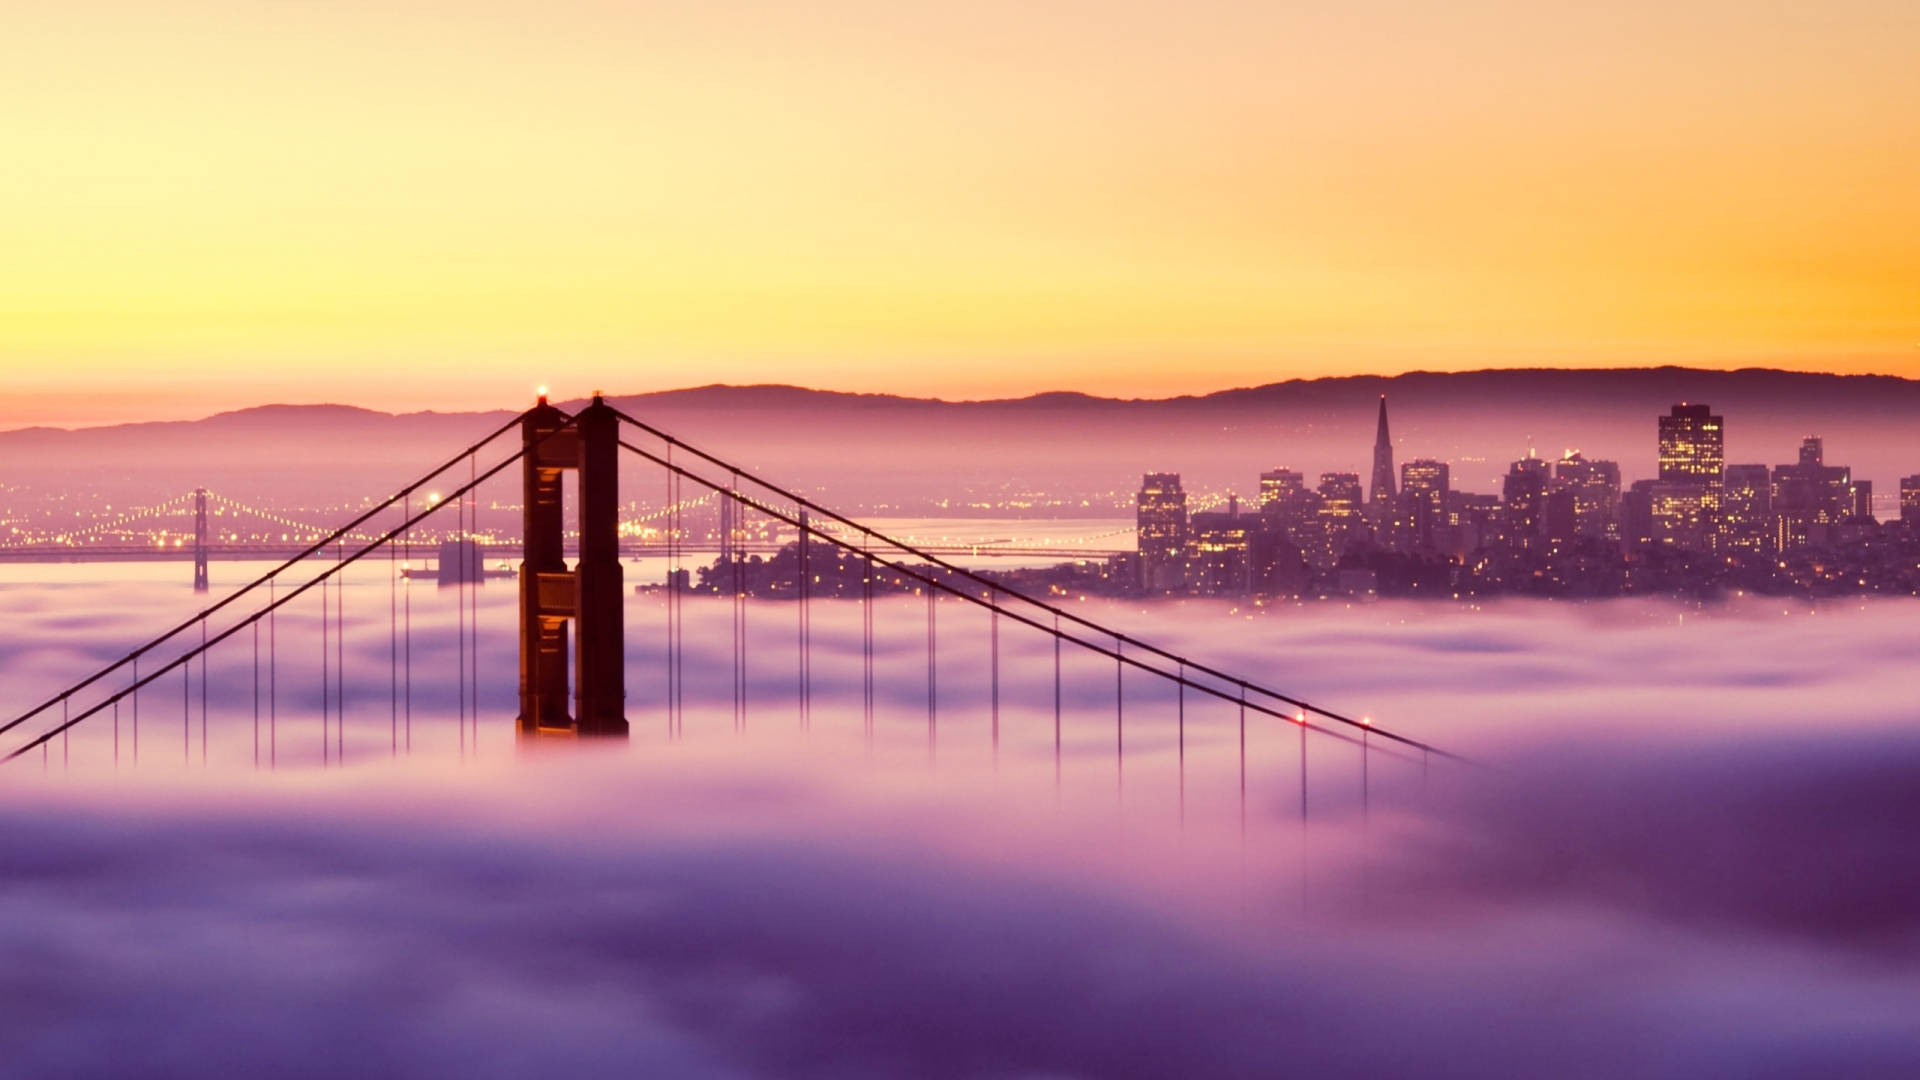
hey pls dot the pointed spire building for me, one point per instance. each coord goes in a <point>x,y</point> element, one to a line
<point>1381,492</point>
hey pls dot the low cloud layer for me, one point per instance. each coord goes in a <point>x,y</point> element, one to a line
<point>1722,885</point>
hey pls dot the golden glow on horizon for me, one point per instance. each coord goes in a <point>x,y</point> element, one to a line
<point>416,205</point>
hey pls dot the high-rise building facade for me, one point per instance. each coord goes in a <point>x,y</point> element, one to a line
<point>1746,510</point>
<point>1287,506</point>
<point>1340,520</point>
<point>1525,493</point>
<point>1692,445</point>
<point>1686,504</point>
<point>1681,516</point>
<point>1424,486</point>
<point>1380,498</point>
<point>1219,552</point>
<point>1810,497</point>
<point>1910,500</point>
<point>1160,515</point>
<point>1280,485</point>
<point>1595,494</point>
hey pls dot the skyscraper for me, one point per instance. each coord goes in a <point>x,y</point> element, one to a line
<point>1746,510</point>
<point>1219,552</point>
<point>1910,500</point>
<point>1810,497</point>
<point>1424,487</point>
<point>1286,505</point>
<point>1161,517</point>
<point>1280,485</point>
<point>1692,445</point>
<point>1596,494</point>
<point>1686,504</point>
<point>1339,520</point>
<point>1380,497</point>
<point>1525,492</point>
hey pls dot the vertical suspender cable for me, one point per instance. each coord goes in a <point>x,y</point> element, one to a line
<point>730,513</point>
<point>256,693</point>
<point>393,648</point>
<point>203,693</point>
<point>800,619</point>
<point>479,569</point>
<point>866,641</point>
<point>1180,688</point>
<point>679,615</point>
<point>406,631</point>
<point>1056,705</point>
<point>994,645</point>
<point>1243,766</point>
<point>326,678</point>
<point>667,581</point>
<point>273,677</point>
<point>742,587</point>
<point>340,654</point>
<point>459,617</point>
<point>933,598</point>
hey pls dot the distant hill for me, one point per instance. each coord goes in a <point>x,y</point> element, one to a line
<point>875,447</point>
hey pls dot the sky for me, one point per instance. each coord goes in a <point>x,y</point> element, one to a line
<point>430,204</point>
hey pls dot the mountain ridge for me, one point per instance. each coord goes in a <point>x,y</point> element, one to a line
<point>771,394</point>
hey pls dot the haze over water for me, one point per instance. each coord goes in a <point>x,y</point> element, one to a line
<point>1688,840</point>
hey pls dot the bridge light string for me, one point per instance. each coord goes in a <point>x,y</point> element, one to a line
<point>275,604</point>
<point>1009,591</point>
<point>67,537</point>
<point>403,494</point>
<point>932,582</point>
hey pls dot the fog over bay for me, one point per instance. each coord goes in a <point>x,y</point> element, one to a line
<point>1687,846</point>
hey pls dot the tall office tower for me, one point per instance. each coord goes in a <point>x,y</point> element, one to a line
<point>1161,516</point>
<point>1595,488</point>
<point>1424,484</point>
<point>1862,499</point>
<point>1682,516</point>
<point>1219,553</point>
<point>1279,485</point>
<point>1474,522</point>
<point>1692,461</point>
<point>1910,500</point>
<point>1525,494</point>
<point>1691,445</point>
<point>1636,515</point>
<point>1810,497</point>
<point>1380,498</point>
<point>1339,520</point>
<point>1746,510</point>
<point>1286,506</point>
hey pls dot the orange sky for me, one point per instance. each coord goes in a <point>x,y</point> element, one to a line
<point>440,204</point>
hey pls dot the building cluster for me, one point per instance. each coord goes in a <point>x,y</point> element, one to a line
<point>1564,527</point>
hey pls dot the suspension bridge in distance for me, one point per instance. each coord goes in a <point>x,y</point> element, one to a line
<point>207,533</point>
<point>572,633</point>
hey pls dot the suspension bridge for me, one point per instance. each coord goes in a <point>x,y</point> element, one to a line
<point>206,526</point>
<point>572,603</point>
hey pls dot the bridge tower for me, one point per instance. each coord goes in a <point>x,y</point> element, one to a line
<point>200,540</point>
<point>591,596</point>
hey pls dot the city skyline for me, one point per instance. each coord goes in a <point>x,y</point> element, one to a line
<point>1563,526</point>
